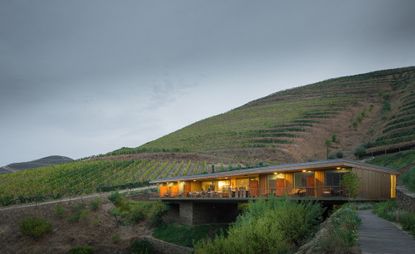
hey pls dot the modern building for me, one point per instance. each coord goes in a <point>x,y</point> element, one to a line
<point>320,180</point>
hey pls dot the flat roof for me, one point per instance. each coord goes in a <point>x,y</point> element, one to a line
<point>282,168</point>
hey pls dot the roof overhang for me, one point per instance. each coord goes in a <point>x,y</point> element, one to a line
<point>282,168</point>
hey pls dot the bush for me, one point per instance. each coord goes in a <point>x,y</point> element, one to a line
<point>360,151</point>
<point>115,198</point>
<point>407,221</point>
<point>408,179</point>
<point>350,183</point>
<point>95,204</point>
<point>389,211</point>
<point>186,235</point>
<point>141,247</point>
<point>342,232</point>
<point>79,212</point>
<point>267,226</point>
<point>128,211</point>
<point>35,227</point>
<point>339,154</point>
<point>59,211</point>
<point>81,250</point>
<point>386,210</point>
<point>137,214</point>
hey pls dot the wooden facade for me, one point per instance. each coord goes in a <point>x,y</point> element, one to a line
<point>315,180</point>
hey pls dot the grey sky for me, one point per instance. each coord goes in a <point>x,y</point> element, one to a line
<point>79,78</point>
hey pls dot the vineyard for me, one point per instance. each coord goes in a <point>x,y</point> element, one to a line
<point>85,177</point>
<point>271,126</point>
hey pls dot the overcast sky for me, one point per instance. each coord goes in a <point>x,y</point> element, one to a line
<point>79,78</point>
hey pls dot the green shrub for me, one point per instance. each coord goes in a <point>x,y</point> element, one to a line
<point>389,211</point>
<point>137,214</point>
<point>350,183</point>
<point>141,247</point>
<point>95,204</point>
<point>342,232</point>
<point>59,211</point>
<point>35,227</point>
<point>115,198</point>
<point>81,250</point>
<point>386,210</point>
<point>78,213</point>
<point>408,179</point>
<point>267,226</point>
<point>339,154</point>
<point>186,235</point>
<point>360,151</point>
<point>407,221</point>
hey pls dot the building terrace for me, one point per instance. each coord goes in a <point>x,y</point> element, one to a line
<point>319,180</point>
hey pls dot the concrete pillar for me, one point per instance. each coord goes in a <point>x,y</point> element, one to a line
<point>193,213</point>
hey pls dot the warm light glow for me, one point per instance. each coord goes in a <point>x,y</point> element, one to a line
<point>304,170</point>
<point>221,184</point>
<point>280,176</point>
<point>194,180</point>
<point>338,168</point>
<point>393,186</point>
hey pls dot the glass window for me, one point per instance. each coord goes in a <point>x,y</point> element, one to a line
<point>300,179</point>
<point>333,178</point>
<point>271,183</point>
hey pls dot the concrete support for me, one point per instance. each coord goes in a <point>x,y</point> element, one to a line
<point>194,213</point>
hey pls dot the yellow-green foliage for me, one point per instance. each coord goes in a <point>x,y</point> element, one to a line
<point>273,226</point>
<point>390,211</point>
<point>35,227</point>
<point>129,211</point>
<point>350,183</point>
<point>341,232</point>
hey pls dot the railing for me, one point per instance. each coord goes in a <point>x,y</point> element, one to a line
<point>325,191</point>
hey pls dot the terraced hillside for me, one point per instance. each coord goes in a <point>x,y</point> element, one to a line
<point>361,115</point>
<point>375,110</point>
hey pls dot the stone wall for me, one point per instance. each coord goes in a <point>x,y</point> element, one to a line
<point>166,247</point>
<point>405,199</point>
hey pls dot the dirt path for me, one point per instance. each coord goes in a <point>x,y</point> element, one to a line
<point>102,194</point>
<point>380,236</point>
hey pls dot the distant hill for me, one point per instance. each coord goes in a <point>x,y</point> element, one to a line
<point>50,160</point>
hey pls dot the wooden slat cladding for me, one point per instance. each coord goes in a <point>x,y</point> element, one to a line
<point>263,185</point>
<point>373,184</point>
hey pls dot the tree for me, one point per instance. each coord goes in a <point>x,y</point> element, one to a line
<point>350,183</point>
<point>328,144</point>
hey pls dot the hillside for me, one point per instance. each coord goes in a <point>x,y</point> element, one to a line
<point>358,116</point>
<point>46,161</point>
<point>374,110</point>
